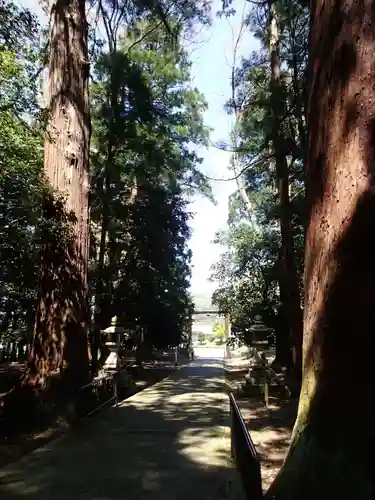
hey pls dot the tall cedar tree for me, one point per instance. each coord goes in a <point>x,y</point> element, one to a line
<point>60,337</point>
<point>289,285</point>
<point>331,455</point>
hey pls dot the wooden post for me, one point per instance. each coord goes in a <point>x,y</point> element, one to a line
<point>115,388</point>
<point>176,357</point>
<point>227,331</point>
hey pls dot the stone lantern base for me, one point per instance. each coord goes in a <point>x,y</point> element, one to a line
<point>262,379</point>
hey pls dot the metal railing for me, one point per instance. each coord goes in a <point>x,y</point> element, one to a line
<point>102,391</point>
<point>244,453</point>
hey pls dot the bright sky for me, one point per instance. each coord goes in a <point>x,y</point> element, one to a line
<point>212,58</point>
<point>212,64</point>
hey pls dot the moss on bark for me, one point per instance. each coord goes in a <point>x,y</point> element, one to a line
<point>327,467</point>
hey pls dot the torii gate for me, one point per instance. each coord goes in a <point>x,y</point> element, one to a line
<point>227,325</point>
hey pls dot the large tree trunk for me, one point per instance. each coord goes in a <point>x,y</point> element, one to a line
<point>60,337</point>
<point>289,281</point>
<point>331,455</point>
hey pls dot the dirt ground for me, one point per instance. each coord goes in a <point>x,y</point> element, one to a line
<point>270,429</point>
<point>13,448</point>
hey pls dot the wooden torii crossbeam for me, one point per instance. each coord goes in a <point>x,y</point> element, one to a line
<point>209,311</point>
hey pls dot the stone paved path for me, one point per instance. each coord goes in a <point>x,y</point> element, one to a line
<point>169,442</point>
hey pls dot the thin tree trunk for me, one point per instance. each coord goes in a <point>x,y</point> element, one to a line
<point>101,305</point>
<point>298,107</point>
<point>290,277</point>
<point>235,159</point>
<point>99,292</point>
<point>283,333</point>
<point>331,455</point>
<point>60,336</point>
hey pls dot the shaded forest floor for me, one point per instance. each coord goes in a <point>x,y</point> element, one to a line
<point>270,429</point>
<point>15,446</point>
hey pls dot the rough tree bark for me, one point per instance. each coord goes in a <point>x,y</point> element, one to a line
<point>60,336</point>
<point>331,455</point>
<point>289,281</point>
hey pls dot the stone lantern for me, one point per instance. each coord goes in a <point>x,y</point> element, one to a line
<point>259,333</point>
<point>258,377</point>
<point>112,336</point>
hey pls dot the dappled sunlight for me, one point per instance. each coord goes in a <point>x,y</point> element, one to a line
<point>205,447</point>
<point>205,364</point>
<point>271,430</point>
<point>163,441</point>
<point>183,406</point>
<point>197,398</point>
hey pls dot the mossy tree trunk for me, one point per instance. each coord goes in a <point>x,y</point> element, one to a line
<point>332,450</point>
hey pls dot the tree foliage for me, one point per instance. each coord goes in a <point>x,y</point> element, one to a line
<point>147,122</point>
<point>150,137</point>
<point>251,269</point>
<point>22,186</point>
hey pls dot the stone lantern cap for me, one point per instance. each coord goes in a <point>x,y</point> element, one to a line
<point>114,328</point>
<point>258,326</point>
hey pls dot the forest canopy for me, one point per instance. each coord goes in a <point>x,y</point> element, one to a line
<point>146,126</point>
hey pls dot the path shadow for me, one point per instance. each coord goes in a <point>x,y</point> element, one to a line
<point>168,443</point>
